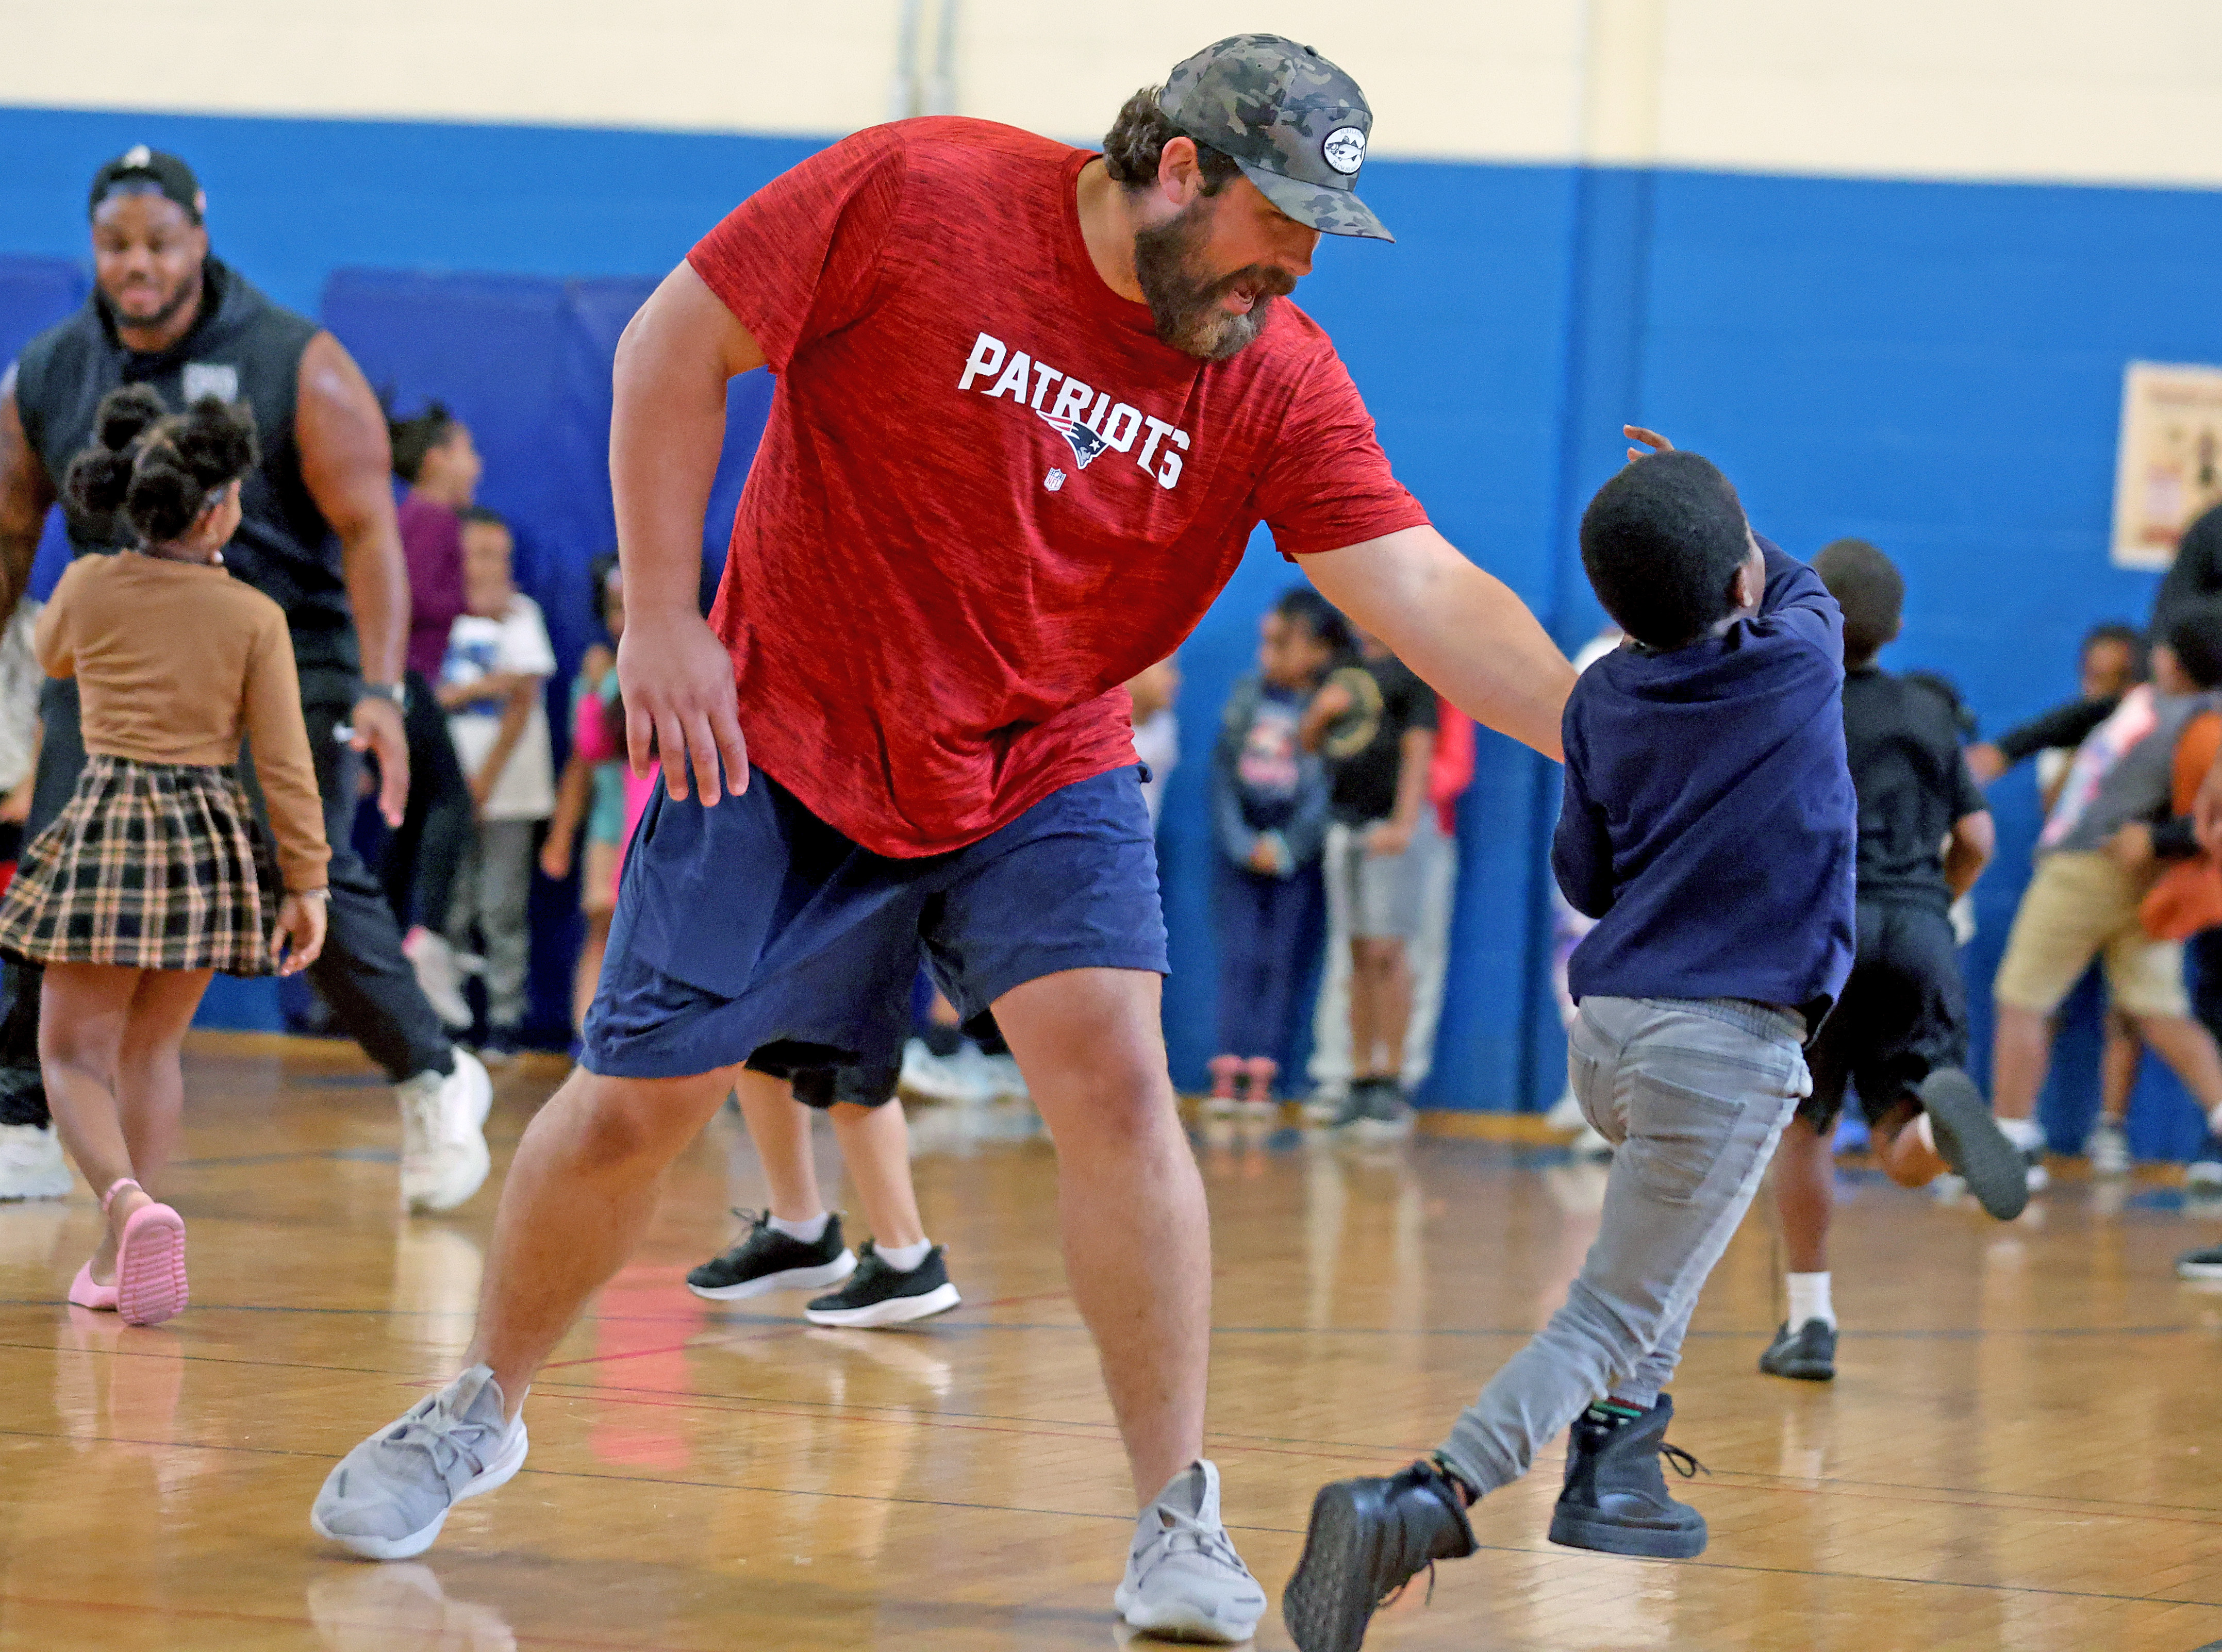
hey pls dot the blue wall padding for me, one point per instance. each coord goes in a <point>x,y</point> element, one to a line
<point>1935,366</point>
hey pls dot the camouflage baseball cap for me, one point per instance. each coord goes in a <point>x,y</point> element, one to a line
<point>1293,123</point>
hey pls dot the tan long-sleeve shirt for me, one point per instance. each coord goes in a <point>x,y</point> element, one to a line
<point>174,661</point>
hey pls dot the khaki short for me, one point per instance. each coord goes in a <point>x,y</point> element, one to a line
<point>2077,907</point>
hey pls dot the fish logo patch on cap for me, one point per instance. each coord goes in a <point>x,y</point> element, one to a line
<point>1345,150</point>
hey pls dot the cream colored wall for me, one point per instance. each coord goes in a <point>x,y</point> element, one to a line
<point>2123,90</point>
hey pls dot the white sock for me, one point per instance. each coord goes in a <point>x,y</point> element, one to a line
<point>2213,1119</point>
<point>1809,1299</point>
<point>2024,1133</point>
<point>904,1259</point>
<point>808,1233</point>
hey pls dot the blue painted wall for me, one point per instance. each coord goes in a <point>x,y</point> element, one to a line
<point>1935,366</point>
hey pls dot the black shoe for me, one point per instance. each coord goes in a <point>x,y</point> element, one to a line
<point>1357,1104</point>
<point>1368,1539</point>
<point>1387,1116</point>
<point>878,1295</point>
<point>1969,1140</point>
<point>1809,1356</point>
<point>1615,1499</point>
<point>2205,1264</point>
<point>767,1259</point>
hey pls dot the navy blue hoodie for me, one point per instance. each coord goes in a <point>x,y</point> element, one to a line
<point>1710,822</point>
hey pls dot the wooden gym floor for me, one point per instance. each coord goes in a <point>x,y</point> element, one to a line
<point>2020,1452</point>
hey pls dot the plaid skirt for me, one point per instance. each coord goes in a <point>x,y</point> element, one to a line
<point>151,866</point>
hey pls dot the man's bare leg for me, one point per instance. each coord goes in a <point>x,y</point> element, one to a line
<point>580,1192</point>
<point>2021,1054</point>
<point>1130,1202</point>
<point>2189,1050</point>
<point>2119,1061</point>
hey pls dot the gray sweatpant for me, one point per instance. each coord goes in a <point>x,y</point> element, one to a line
<point>494,887</point>
<point>1693,1095</point>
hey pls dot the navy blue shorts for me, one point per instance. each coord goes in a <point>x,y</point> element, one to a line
<point>753,932</point>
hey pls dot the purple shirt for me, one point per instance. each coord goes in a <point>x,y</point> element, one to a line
<point>432,545</point>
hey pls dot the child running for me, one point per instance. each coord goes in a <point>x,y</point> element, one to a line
<point>1900,1035</point>
<point>1709,824</point>
<point>156,874</point>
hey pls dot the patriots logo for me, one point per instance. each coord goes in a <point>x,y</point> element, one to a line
<point>1086,444</point>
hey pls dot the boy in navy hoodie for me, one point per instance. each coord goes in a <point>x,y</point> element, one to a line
<point>1709,824</point>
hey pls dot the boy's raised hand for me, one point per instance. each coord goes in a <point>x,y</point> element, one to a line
<point>1652,440</point>
<point>300,934</point>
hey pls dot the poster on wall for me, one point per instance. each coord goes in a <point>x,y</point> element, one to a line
<point>2169,468</point>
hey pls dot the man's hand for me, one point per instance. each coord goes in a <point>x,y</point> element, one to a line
<point>555,857</point>
<point>680,705</point>
<point>1985,762</point>
<point>1386,839</point>
<point>1650,439</point>
<point>378,730</point>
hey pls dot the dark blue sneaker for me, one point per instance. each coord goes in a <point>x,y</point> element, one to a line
<point>1809,1355</point>
<point>1368,1538</point>
<point>1616,1500</point>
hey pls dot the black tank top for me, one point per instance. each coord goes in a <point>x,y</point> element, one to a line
<point>242,348</point>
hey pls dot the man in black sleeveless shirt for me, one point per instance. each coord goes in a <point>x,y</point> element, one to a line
<point>316,536</point>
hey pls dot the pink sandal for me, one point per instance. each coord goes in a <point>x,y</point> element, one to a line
<point>85,1294</point>
<point>150,1262</point>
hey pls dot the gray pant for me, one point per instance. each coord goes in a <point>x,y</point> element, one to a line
<point>494,886</point>
<point>1694,1094</point>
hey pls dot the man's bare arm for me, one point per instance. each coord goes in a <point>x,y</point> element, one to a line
<point>667,429</point>
<point>1462,630</point>
<point>27,493</point>
<point>347,467</point>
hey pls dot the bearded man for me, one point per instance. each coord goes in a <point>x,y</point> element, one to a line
<point>1032,401</point>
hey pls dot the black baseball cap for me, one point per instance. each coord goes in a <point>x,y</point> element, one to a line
<point>139,170</point>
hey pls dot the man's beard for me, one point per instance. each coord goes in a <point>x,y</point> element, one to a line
<point>188,292</point>
<point>1185,302</point>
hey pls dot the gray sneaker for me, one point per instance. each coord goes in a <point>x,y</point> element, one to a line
<point>390,1496</point>
<point>1183,1579</point>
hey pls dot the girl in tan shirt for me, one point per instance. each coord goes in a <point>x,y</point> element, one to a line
<point>157,874</point>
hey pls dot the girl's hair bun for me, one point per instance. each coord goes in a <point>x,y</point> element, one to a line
<point>126,413</point>
<point>97,482</point>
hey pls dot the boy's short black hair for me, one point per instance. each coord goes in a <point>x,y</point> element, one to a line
<point>2194,636</point>
<point>1318,615</point>
<point>480,514</point>
<point>1870,589</point>
<point>2120,632</point>
<point>1661,542</point>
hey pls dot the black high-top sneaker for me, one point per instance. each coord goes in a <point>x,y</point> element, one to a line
<point>1615,1499</point>
<point>1368,1539</point>
<point>1969,1140</point>
<point>1808,1354</point>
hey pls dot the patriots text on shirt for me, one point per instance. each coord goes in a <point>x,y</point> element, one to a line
<point>1085,417</point>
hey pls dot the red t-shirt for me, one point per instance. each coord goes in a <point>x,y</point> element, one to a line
<point>988,495</point>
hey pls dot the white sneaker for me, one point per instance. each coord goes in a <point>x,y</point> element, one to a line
<point>1000,1079</point>
<point>390,1496</point>
<point>437,977</point>
<point>31,1163</point>
<point>937,1077</point>
<point>2109,1149</point>
<point>1183,1579</point>
<point>443,1151</point>
<point>1566,1114</point>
